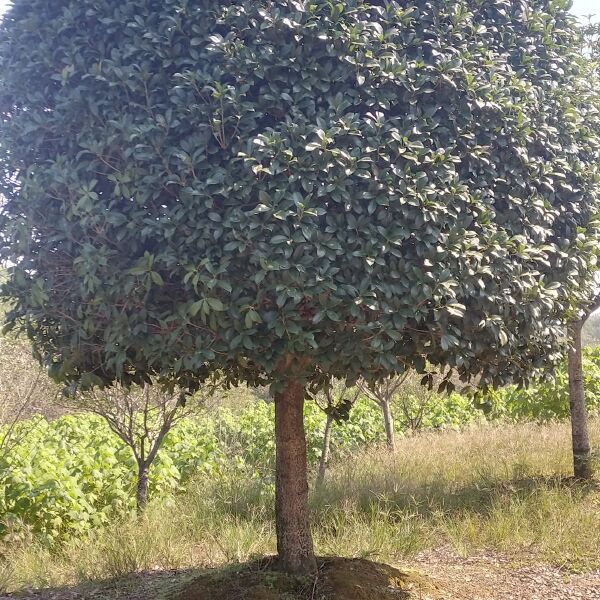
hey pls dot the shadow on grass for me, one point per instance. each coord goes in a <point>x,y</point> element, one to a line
<point>152,585</point>
<point>477,498</point>
<point>337,579</point>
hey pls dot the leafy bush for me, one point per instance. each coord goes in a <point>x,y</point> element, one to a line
<point>546,400</point>
<point>64,477</point>
<point>73,474</point>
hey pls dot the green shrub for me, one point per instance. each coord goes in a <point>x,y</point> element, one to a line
<point>546,400</point>
<point>64,478</point>
<point>73,474</point>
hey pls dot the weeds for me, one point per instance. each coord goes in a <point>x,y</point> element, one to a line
<point>505,488</point>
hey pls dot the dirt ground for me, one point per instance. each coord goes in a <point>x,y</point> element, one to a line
<point>445,576</point>
<point>490,576</point>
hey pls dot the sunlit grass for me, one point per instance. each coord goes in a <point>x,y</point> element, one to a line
<point>505,488</point>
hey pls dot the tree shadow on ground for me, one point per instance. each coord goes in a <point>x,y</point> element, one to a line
<point>337,579</point>
<point>149,585</point>
<point>478,498</point>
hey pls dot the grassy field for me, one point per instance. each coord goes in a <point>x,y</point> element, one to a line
<point>504,488</point>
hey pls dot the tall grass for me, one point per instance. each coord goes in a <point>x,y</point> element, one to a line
<point>495,487</point>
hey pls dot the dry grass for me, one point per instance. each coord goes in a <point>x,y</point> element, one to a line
<point>505,488</point>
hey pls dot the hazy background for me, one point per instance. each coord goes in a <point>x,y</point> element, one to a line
<point>580,7</point>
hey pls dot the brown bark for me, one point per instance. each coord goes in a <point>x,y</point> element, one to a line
<point>388,422</point>
<point>325,450</point>
<point>582,463</point>
<point>141,492</point>
<point>294,539</point>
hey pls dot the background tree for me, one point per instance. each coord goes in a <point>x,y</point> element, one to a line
<point>590,31</point>
<point>410,396</point>
<point>336,401</point>
<point>292,191</point>
<point>417,397</point>
<point>580,437</point>
<point>141,416</point>
<point>383,393</point>
<point>25,390</point>
<point>590,333</point>
<point>582,462</point>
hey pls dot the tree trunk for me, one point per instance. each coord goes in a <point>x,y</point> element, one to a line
<point>294,539</point>
<point>582,463</point>
<point>141,493</point>
<point>388,421</point>
<point>325,451</point>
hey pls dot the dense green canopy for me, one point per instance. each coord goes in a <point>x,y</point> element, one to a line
<point>202,185</point>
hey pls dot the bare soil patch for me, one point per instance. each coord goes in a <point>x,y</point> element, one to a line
<point>338,579</point>
<point>438,575</point>
<point>492,576</point>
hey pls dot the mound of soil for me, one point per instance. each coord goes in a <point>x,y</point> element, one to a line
<point>337,579</point>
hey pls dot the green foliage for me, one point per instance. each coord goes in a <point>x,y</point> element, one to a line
<point>438,411</point>
<point>217,186</point>
<point>506,489</point>
<point>547,400</point>
<point>64,477</point>
<point>73,474</point>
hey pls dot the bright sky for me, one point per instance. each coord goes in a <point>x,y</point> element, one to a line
<point>586,7</point>
<point>580,7</point>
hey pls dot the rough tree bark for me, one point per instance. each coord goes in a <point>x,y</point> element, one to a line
<point>141,492</point>
<point>294,538</point>
<point>582,464</point>
<point>388,422</point>
<point>325,450</point>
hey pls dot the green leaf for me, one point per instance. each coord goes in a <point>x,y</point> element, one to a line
<point>156,278</point>
<point>251,317</point>
<point>196,307</point>
<point>215,304</point>
<point>448,341</point>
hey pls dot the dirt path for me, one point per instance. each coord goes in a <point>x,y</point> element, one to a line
<point>489,576</point>
<point>485,576</point>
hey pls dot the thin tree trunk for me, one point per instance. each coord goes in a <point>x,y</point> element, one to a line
<point>325,450</point>
<point>388,421</point>
<point>141,493</point>
<point>294,539</point>
<point>582,464</point>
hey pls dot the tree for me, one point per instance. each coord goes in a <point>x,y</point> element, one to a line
<point>590,333</point>
<point>580,438</point>
<point>411,393</point>
<point>141,416</point>
<point>590,32</point>
<point>25,390</point>
<point>336,400</point>
<point>418,396</point>
<point>382,393</point>
<point>292,190</point>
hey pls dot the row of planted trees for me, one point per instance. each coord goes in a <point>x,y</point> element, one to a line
<point>288,192</point>
<point>142,417</point>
